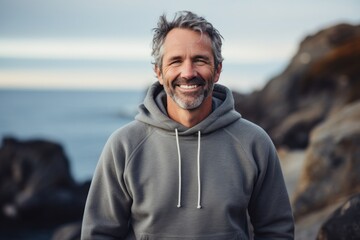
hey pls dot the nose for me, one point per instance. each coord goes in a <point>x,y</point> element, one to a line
<point>188,70</point>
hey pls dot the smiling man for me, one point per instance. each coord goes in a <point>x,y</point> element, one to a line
<point>188,74</point>
<point>189,166</point>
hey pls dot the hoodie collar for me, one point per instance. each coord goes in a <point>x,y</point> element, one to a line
<point>153,111</point>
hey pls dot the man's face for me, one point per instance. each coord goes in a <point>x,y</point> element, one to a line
<point>188,71</point>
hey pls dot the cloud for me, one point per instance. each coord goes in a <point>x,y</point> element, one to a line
<point>96,49</point>
<point>130,50</point>
<point>255,32</point>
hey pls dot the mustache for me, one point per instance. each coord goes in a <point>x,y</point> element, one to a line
<point>192,81</point>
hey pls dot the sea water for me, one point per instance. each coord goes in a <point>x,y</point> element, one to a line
<point>81,121</point>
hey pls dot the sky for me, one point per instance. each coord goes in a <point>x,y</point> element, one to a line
<point>105,44</point>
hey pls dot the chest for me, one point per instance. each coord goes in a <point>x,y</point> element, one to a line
<point>222,169</point>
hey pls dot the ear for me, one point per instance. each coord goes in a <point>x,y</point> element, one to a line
<point>158,74</point>
<point>218,72</point>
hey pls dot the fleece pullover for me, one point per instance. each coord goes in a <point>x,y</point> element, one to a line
<point>157,179</point>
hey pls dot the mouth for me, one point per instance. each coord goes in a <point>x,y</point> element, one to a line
<point>188,85</point>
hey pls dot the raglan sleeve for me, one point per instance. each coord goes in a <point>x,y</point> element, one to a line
<point>107,208</point>
<point>269,208</point>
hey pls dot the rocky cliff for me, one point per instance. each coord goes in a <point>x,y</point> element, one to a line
<point>322,77</point>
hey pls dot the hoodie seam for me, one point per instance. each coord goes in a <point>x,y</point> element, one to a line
<point>242,148</point>
<point>139,145</point>
<point>131,156</point>
<point>259,135</point>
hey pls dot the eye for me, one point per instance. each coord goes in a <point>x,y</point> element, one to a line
<point>201,61</point>
<point>175,62</point>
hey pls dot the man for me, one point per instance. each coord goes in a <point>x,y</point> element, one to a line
<point>189,166</point>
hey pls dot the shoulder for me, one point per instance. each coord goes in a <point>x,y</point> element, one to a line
<point>128,137</point>
<point>248,132</point>
<point>252,139</point>
<point>131,130</point>
<point>255,142</point>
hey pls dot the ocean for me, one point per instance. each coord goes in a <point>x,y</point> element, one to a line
<point>80,120</point>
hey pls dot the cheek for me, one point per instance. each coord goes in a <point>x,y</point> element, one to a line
<point>168,76</point>
<point>164,80</point>
<point>210,74</point>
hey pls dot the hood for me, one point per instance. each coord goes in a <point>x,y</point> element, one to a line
<point>153,112</point>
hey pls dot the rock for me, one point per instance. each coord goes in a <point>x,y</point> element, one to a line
<point>344,223</point>
<point>332,164</point>
<point>322,77</point>
<point>308,227</point>
<point>36,186</point>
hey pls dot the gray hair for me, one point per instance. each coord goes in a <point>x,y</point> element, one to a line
<point>187,20</point>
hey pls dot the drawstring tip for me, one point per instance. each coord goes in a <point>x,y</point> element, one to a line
<point>199,206</point>
<point>179,206</point>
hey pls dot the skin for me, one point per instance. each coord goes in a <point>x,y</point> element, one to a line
<point>188,74</point>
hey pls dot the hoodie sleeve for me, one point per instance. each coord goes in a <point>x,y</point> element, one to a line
<point>269,209</point>
<point>107,210</point>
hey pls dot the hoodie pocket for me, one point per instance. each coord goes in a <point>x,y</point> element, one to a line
<point>222,236</point>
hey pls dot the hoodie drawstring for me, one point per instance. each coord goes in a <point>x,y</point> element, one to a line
<point>198,169</point>
<point>179,157</point>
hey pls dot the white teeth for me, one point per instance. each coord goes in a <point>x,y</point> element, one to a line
<point>188,86</point>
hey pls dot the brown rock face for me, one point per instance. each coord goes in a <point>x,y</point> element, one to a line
<point>332,164</point>
<point>322,77</point>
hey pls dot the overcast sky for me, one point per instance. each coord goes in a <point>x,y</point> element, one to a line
<point>254,30</point>
<point>133,19</point>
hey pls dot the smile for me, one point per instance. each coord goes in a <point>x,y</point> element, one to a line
<point>188,86</point>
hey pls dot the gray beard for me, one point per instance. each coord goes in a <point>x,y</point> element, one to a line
<point>191,105</point>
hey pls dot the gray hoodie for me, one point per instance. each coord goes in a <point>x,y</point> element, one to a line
<point>157,179</point>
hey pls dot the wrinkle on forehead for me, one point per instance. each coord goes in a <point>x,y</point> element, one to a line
<point>182,41</point>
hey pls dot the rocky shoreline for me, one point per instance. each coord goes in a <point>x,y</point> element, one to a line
<point>37,191</point>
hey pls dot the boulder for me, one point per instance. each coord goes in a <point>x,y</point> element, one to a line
<point>332,162</point>
<point>344,223</point>
<point>36,186</point>
<point>322,77</point>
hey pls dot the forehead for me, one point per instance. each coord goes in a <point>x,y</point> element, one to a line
<point>181,41</point>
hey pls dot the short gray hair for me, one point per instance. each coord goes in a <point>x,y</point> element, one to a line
<point>187,20</point>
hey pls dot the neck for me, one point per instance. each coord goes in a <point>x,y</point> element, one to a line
<point>189,118</point>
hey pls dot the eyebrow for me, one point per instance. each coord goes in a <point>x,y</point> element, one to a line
<point>173,58</point>
<point>198,56</point>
